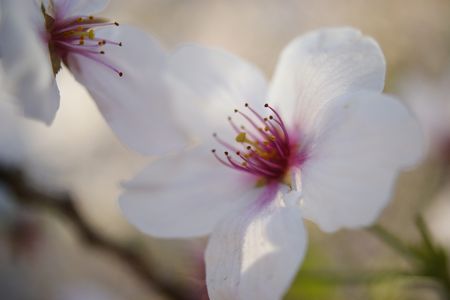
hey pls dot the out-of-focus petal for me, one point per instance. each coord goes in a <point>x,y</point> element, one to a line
<point>254,254</point>
<point>321,66</point>
<point>184,195</point>
<point>12,142</point>
<point>136,106</point>
<point>363,141</point>
<point>25,60</point>
<point>40,104</point>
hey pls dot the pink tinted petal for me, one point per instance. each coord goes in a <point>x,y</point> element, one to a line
<point>255,254</point>
<point>136,106</point>
<point>184,195</point>
<point>362,143</point>
<point>322,65</point>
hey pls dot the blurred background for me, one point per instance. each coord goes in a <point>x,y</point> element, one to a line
<point>41,253</point>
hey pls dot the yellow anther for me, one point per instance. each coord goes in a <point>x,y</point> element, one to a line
<point>261,182</point>
<point>81,42</point>
<point>241,137</point>
<point>79,20</point>
<point>91,34</point>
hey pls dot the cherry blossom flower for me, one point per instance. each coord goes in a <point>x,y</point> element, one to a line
<point>115,63</point>
<point>321,143</point>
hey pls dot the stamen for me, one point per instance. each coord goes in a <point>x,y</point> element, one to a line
<point>225,144</point>
<point>251,123</point>
<point>267,152</point>
<point>280,121</point>
<point>78,35</point>
<point>233,125</point>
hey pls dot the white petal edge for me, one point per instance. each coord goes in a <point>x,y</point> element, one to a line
<point>362,143</point>
<point>136,106</point>
<point>322,65</point>
<point>12,151</point>
<point>255,254</point>
<point>184,195</point>
<point>206,86</point>
<point>39,104</point>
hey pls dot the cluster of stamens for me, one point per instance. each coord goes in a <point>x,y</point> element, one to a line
<point>77,35</point>
<point>264,149</point>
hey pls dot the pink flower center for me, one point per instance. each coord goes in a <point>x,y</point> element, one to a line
<point>265,149</point>
<point>77,35</point>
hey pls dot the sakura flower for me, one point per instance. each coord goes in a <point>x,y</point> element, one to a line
<point>321,142</point>
<point>117,64</point>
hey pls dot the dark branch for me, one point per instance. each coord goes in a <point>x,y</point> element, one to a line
<point>63,204</point>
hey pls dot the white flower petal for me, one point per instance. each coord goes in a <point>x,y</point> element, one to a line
<point>136,105</point>
<point>322,65</point>
<point>255,254</point>
<point>25,59</point>
<point>70,8</point>
<point>184,195</point>
<point>12,142</point>
<point>363,141</point>
<point>40,104</point>
<point>208,84</point>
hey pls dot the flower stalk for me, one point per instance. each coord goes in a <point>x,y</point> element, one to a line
<point>426,257</point>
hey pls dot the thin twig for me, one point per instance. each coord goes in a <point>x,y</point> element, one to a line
<point>63,204</point>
